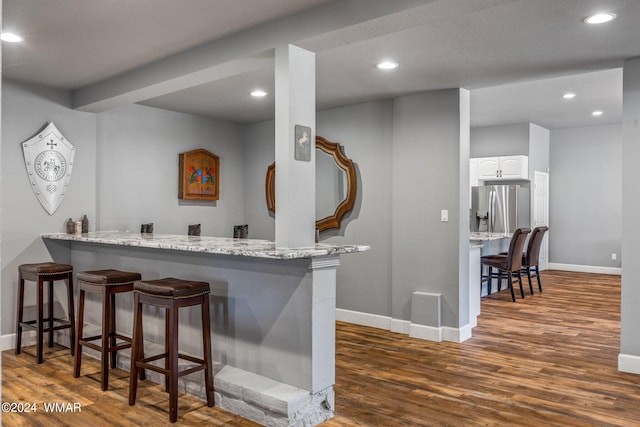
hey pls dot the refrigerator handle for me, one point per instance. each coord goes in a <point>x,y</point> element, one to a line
<point>492,208</point>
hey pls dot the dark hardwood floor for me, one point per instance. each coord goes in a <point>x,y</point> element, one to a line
<point>547,360</point>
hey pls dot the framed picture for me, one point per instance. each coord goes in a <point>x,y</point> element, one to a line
<point>302,149</point>
<point>199,175</point>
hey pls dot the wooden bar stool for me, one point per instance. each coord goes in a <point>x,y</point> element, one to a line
<point>107,283</point>
<point>40,273</point>
<point>172,294</point>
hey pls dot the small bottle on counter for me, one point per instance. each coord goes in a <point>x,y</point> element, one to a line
<point>85,224</point>
<point>70,226</point>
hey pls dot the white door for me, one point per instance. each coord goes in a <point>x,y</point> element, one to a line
<point>541,213</point>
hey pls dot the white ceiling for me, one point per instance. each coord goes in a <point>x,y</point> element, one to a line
<point>516,56</point>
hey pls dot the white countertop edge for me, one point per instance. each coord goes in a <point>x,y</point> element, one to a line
<point>205,244</point>
<point>483,236</point>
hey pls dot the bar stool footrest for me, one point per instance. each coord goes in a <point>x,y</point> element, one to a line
<point>32,324</point>
<point>144,364</point>
<point>98,347</point>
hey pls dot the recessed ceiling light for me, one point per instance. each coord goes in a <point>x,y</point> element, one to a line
<point>11,37</point>
<point>600,18</point>
<point>569,95</point>
<point>258,93</point>
<point>597,113</point>
<point>387,65</point>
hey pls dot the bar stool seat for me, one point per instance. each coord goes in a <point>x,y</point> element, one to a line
<point>171,294</point>
<point>40,273</point>
<point>107,283</point>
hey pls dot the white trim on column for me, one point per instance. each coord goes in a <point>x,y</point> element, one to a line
<point>585,268</point>
<point>629,363</point>
<point>429,333</point>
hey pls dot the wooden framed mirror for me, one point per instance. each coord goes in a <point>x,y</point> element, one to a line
<point>335,185</point>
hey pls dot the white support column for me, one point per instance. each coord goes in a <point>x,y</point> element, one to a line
<point>629,357</point>
<point>323,321</point>
<point>295,152</point>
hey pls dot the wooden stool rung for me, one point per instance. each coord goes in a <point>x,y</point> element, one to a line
<point>154,358</point>
<point>151,367</point>
<point>191,370</point>
<point>191,358</point>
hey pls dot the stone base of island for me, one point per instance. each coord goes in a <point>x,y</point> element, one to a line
<point>272,315</point>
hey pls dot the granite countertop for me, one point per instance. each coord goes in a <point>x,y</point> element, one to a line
<point>204,244</point>
<point>486,236</point>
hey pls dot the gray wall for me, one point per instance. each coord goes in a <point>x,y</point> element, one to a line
<point>586,196</point>
<point>427,157</point>
<point>364,130</point>
<point>259,153</point>
<point>25,109</point>
<point>145,142</point>
<point>503,140</point>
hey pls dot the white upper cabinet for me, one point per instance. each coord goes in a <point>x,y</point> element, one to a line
<point>506,167</point>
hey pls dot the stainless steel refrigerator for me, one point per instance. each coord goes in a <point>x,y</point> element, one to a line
<point>499,208</point>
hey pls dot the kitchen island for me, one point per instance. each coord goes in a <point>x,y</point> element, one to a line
<point>272,314</point>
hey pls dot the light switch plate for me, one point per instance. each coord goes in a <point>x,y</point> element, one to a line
<point>444,215</point>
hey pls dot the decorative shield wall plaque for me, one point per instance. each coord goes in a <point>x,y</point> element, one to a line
<point>48,157</point>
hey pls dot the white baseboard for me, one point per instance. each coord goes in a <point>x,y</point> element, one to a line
<point>405,327</point>
<point>364,319</point>
<point>8,342</point>
<point>456,334</point>
<point>629,363</point>
<point>428,333</point>
<point>400,326</point>
<point>616,271</point>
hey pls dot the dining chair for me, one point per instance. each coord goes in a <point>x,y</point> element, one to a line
<point>509,266</point>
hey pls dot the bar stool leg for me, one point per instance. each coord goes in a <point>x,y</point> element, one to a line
<point>78,350</point>
<point>136,345</point>
<point>104,351</point>
<point>72,319</point>
<point>173,364</point>
<point>39,321</point>
<point>112,328</point>
<point>50,312</point>
<point>206,342</point>
<point>20,312</point>
<point>167,347</point>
